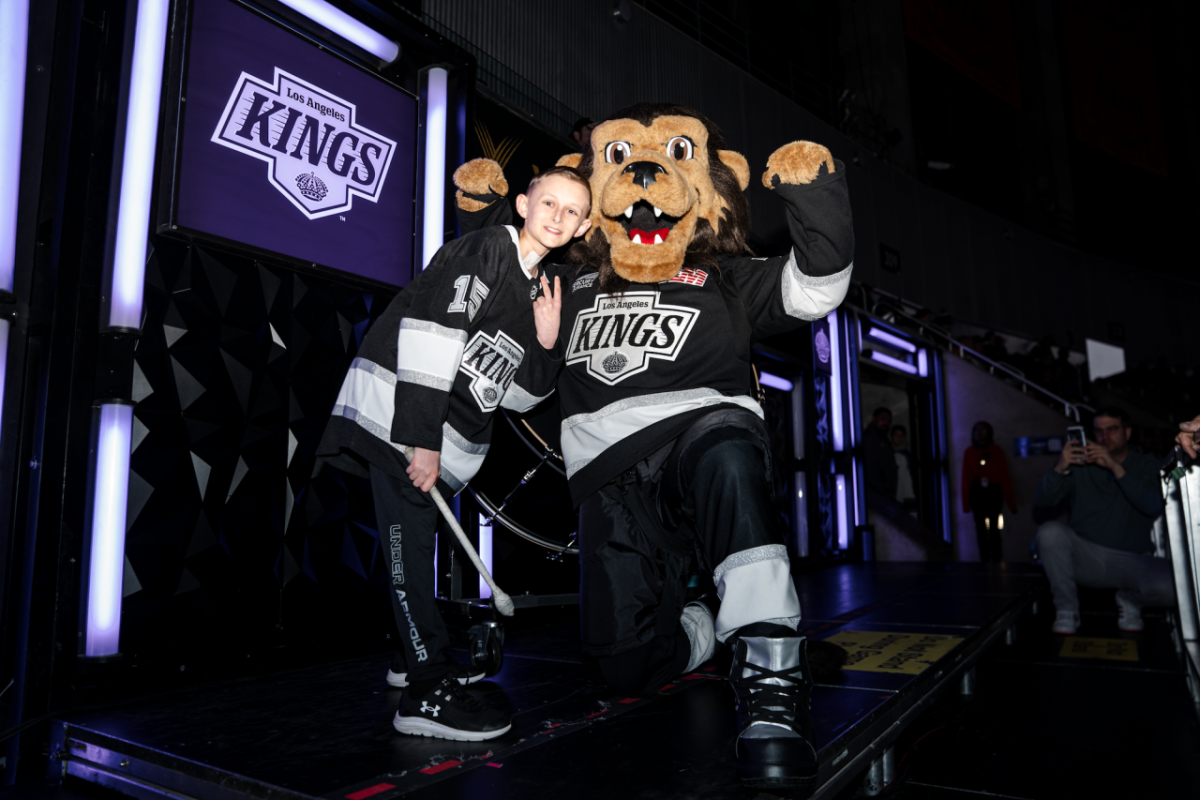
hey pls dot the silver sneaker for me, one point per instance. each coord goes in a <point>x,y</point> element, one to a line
<point>1129,614</point>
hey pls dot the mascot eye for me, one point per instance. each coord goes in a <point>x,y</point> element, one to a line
<point>616,152</point>
<point>680,148</point>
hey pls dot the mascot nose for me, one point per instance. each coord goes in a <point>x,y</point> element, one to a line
<point>644,172</point>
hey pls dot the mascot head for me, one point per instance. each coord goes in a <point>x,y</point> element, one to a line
<point>664,192</point>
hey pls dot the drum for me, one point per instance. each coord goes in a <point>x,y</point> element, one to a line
<point>522,484</point>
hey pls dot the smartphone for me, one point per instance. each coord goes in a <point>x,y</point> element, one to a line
<point>1076,434</point>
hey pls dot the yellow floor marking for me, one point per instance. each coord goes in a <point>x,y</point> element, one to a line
<point>1108,649</point>
<point>887,651</point>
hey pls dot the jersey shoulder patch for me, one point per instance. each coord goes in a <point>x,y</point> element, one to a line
<point>691,276</point>
<point>584,281</point>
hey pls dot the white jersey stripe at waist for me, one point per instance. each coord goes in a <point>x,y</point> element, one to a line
<point>586,436</point>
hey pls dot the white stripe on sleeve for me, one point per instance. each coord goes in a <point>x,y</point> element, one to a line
<point>809,298</point>
<point>428,354</point>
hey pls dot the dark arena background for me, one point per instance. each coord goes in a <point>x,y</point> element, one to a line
<point>191,609</point>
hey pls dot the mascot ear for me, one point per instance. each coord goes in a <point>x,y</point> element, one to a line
<point>570,160</point>
<point>736,162</point>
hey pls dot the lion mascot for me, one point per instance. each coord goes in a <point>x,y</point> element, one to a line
<point>665,447</point>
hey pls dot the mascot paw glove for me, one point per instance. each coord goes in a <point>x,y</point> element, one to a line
<point>480,182</point>
<point>797,163</point>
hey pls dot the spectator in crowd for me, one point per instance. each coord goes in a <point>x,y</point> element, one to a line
<point>906,494</point>
<point>582,133</point>
<point>1115,499</point>
<point>879,462</point>
<point>986,486</point>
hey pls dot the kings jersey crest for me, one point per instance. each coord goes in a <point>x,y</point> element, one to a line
<point>619,335</point>
<point>317,156</point>
<point>491,363</point>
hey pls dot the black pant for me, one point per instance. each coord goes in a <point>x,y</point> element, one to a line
<point>986,504</point>
<point>407,520</point>
<point>712,497</point>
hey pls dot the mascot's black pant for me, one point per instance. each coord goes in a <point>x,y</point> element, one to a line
<point>708,494</point>
<point>407,520</point>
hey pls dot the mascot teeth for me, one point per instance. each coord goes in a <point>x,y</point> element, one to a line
<point>629,212</point>
<point>657,212</point>
<point>639,236</point>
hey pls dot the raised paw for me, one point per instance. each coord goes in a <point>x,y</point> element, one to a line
<point>797,163</point>
<point>479,182</point>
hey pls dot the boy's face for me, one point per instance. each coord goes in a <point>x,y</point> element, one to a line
<point>555,211</point>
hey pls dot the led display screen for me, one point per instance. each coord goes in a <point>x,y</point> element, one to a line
<point>287,148</point>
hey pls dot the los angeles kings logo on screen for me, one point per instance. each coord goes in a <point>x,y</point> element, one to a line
<point>318,156</point>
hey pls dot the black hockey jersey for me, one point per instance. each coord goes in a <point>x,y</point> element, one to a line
<point>642,365</point>
<point>455,344</point>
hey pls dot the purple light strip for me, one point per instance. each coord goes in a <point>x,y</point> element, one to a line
<point>347,27</point>
<point>106,568</point>
<point>895,363</point>
<point>835,383</point>
<point>843,530</point>
<point>434,206</point>
<point>14,36</point>
<point>137,165</point>
<point>923,362</point>
<point>894,341</point>
<point>485,554</point>
<point>775,382</point>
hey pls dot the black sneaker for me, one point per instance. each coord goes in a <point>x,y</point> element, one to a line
<point>464,673</point>
<point>448,712</point>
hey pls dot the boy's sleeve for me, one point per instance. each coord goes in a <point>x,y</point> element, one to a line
<point>534,381</point>
<point>783,292</point>
<point>429,347</point>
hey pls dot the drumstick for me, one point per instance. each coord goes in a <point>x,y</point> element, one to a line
<point>504,603</point>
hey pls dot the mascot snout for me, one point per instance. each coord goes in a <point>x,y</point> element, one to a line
<point>647,213</point>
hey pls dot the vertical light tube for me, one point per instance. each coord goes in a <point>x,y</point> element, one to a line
<point>835,384</point>
<point>842,523</point>
<point>435,164</point>
<point>110,497</point>
<point>485,554</point>
<point>14,36</point>
<point>137,164</point>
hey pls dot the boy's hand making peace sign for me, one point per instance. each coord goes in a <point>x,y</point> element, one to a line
<point>546,312</point>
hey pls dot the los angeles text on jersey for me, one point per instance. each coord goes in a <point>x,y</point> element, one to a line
<point>492,363</point>
<point>619,334</point>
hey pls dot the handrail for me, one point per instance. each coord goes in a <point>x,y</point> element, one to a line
<point>1181,493</point>
<point>1069,408</point>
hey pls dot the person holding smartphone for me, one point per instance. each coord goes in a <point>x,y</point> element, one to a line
<point>1115,498</point>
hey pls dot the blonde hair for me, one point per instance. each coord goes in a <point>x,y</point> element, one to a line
<point>570,173</point>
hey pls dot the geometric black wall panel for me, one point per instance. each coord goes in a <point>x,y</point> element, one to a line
<point>236,546</point>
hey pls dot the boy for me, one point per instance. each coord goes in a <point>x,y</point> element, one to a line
<point>456,344</point>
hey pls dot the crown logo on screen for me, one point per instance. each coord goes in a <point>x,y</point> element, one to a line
<point>311,186</point>
<point>317,154</point>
